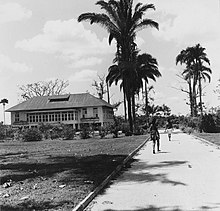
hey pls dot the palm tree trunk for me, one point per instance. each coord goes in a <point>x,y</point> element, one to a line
<point>108,92</point>
<point>4,112</point>
<point>191,98</point>
<point>146,102</point>
<point>130,114</point>
<point>133,109</point>
<point>200,96</point>
<point>194,94</point>
<point>125,107</point>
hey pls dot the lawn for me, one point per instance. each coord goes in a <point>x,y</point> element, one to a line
<point>57,174</point>
<point>212,137</point>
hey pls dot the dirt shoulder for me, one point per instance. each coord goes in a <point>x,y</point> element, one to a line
<point>57,174</point>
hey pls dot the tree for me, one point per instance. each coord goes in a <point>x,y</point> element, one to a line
<point>4,101</point>
<point>194,59</point>
<point>122,22</point>
<point>100,86</point>
<point>43,88</point>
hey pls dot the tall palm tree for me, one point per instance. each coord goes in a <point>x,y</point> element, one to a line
<point>4,101</point>
<point>194,58</point>
<point>146,68</point>
<point>122,21</point>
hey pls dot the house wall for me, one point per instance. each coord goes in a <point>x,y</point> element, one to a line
<point>89,117</point>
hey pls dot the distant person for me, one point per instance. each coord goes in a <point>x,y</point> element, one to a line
<point>154,135</point>
<point>169,128</point>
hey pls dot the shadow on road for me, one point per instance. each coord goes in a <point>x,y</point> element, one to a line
<point>142,172</point>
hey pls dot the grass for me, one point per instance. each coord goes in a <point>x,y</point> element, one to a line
<point>212,137</point>
<point>57,174</point>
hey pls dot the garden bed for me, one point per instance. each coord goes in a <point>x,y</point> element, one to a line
<point>57,174</point>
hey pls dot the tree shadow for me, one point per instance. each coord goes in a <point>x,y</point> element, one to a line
<point>93,168</point>
<point>150,208</point>
<point>154,208</point>
<point>142,172</point>
<point>33,205</point>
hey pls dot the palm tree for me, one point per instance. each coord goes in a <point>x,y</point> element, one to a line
<point>145,67</point>
<point>4,101</point>
<point>194,58</point>
<point>122,21</point>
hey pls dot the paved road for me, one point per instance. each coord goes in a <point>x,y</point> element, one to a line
<point>184,176</point>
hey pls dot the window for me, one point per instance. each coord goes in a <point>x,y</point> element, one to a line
<point>95,112</point>
<point>59,98</point>
<point>84,113</point>
<point>17,117</point>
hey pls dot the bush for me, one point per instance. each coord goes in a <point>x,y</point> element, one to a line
<point>208,124</point>
<point>68,132</point>
<point>85,133</point>
<point>103,132</point>
<point>31,135</point>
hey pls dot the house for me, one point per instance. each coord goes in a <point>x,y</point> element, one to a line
<point>76,110</point>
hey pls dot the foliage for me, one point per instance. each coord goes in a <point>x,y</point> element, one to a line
<point>43,88</point>
<point>195,71</point>
<point>208,123</point>
<point>123,20</point>
<point>31,135</point>
<point>2,131</point>
<point>85,133</point>
<point>68,132</point>
<point>138,130</point>
<point>103,131</point>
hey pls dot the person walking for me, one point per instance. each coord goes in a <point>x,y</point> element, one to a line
<point>169,128</point>
<point>154,135</point>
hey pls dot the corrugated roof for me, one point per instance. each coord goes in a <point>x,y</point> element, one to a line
<point>74,101</point>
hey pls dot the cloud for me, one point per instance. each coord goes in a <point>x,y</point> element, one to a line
<point>187,21</point>
<point>82,76</point>
<point>7,65</point>
<point>13,12</point>
<point>91,61</point>
<point>70,41</point>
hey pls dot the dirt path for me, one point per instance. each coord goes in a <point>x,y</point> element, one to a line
<point>184,176</point>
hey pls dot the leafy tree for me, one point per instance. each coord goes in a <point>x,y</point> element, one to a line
<point>43,88</point>
<point>122,21</point>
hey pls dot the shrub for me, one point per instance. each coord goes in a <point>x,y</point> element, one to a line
<point>85,133</point>
<point>68,132</point>
<point>138,131</point>
<point>103,132</point>
<point>208,124</point>
<point>31,135</point>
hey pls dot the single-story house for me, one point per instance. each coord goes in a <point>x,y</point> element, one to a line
<point>72,109</point>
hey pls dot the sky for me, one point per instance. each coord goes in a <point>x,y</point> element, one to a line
<point>41,40</point>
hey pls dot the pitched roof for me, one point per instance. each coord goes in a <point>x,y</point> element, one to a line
<point>59,102</point>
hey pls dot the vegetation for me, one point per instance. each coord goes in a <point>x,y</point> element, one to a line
<point>195,71</point>
<point>122,20</point>
<point>32,135</point>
